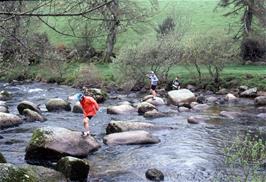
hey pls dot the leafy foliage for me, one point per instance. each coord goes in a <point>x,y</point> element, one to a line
<point>247,155</point>
<point>212,50</point>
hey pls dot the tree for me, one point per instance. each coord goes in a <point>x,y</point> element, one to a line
<point>107,18</point>
<point>249,9</point>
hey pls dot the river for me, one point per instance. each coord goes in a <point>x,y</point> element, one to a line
<point>186,153</point>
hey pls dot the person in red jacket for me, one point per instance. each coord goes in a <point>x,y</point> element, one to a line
<point>89,107</point>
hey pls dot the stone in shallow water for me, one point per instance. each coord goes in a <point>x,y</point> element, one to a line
<point>9,120</point>
<point>130,138</point>
<point>145,107</point>
<point>260,101</point>
<point>53,143</point>
<point>29,173</point>
<point>181,97</point>
<point>57,104</point>
<point>122,126</point>
<point>77,108</point>
<point>28,105</point>
<point>2,158</point>
<point>33,116</point>
<point>73,168</point>
<point>154,175</point>
<point>121,109</point>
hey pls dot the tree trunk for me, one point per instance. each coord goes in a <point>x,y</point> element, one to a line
<point>247,19</point>
<point>112,26</point>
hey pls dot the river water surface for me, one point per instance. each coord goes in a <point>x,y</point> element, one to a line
<point>186,153</point>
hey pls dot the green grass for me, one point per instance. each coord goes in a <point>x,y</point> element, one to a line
<point>199,13</point>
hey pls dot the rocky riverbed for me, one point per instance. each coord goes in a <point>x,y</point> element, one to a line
<point>181,133</point>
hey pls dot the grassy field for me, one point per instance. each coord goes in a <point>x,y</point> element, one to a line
<point>198,15</point>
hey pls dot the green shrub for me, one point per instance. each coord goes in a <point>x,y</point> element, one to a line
<point>211,51</point>
<point>244,157</point>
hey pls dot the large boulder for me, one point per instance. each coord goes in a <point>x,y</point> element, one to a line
<point>121,109</point>
<point>144,107</point>
<point>57,104</point>
<point>53,143</point>
<point>154,175</point>
<point>28,105</point>
<point>73,168</point>
<point>154,101</point>
<point>77,108</point>
<point>33,116</point>
<point>99,95</point>
<point>122,126</point>
<point>130,138</point>
<point>2,158</point>
<point>181,97</point>
<point>249,93</point>
<point>260,101</point>
<point>28,173</point>
<point>153,114</point>
<point>4,109</point>
<point>5,95</point>
<point>8,120</point>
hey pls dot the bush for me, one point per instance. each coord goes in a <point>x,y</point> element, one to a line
<point>212,50</point>
<point>167,26</point>
<point>253,49</point>
<point>159,56</point>
<point>244,157</point>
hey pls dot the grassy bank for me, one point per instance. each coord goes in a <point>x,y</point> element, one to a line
<point>232,75</point>
<point>198,15</point>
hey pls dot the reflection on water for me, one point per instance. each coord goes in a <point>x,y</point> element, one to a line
<point>186,153</point>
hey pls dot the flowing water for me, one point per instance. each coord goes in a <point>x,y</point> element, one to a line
<point>186,153</point>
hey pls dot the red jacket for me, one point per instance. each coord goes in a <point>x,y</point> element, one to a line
<point>89,106</point>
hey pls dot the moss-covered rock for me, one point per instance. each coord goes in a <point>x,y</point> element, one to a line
<point>28,105</point>
<point>2,158</point>
<point>53,143</point>
<point>28,173</point>
<point>73,168</point>
<point>57,104</point>
<point>99,95</point>
<point>44,174</point>
<point>12,173</point>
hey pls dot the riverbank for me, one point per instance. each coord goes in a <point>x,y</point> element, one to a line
<point>106,75</point>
